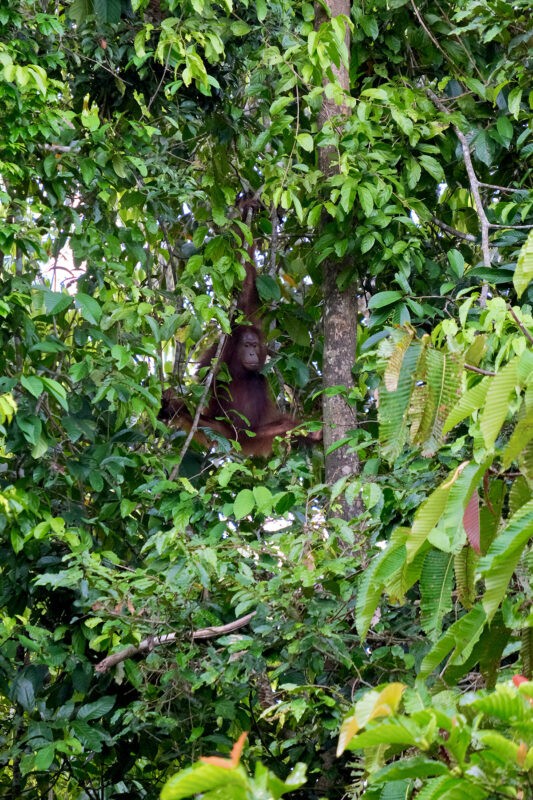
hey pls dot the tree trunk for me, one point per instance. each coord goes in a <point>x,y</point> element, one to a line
<point>340,306</point>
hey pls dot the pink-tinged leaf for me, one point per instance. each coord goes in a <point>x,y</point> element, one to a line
<point>471,522</point>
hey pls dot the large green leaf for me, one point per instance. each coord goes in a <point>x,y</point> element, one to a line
<point>448,787</point>
<point>467,404</point>
<point>504,554</point>
<point>394,402</point>
<point>375,579</point>
<point>441,515</point>
<point>443,387</point>
<point>416,767</point>
<point>458,640</point>
<point>496,406</point>
<point>523,274</point>
<point>204,778</point>
<point>436,586</point>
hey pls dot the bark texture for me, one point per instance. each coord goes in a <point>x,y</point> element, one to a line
<point>340,306</point>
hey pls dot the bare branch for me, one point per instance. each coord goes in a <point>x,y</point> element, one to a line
<point>469,237</point>
<point>474,186</point>
<point>201,404</point>
<point>501,188</point>
<point>148,644</point>
<point>480,371</point>
<point>520,324</point>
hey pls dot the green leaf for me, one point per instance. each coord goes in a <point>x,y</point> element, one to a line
<point>399,731</point>
<point>89,735</point>
<point>382,299</point>
<point>467,404</point>
<point>432,401</point>
<point>261,10</point>
<point>503,556</point>
<point>202,778</point>
<point>244,503</point>
<point>375,579</point>
<point>432,166</point>
<point>496,407</point>
<point>416,767</point>
<point>514,101</point>
<point>57,391</point>
<point>523,274</point>
<point>89,307</point>
<point>239,28</point>
<point>44,757</point>
<point>88,170</point>
<point>100,708</point>
<point>305,140</point>
<point>440,518</point>
<point>263,499</point>
<point>505,128</point>
<point>395,398</point>
<point>54,302</point>
<point>450,788</point>
<point>366,199</point>
<point>459,640</point>
<point>370,26</point>
<point>268,288</point>
<point>436,587</point>
<point>457,262</point>
<point>32,384</point>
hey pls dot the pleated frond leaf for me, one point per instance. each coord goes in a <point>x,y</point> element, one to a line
<point>443,379</point>
<point>496,405</point>
<point>440,518</point>
<point>421,385</point>
<point>394,405</point>
<point>457,642</point>
<point>376,578</point>
<point>523,274</point>
<point>436,586</point>
<point>498,565</point>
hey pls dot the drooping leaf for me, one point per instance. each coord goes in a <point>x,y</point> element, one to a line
<point>458,640</point>
<point>496,406</point>
<point>374,580</point>
<point>503,555</point>
<point>467,404</point>
<point>202,778</point>
<point>523,274</point>
<point>436,586</point>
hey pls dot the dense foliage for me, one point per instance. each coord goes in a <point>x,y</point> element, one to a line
<point>156,601</point>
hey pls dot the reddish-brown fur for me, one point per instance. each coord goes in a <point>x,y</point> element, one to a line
<point>241,406</point>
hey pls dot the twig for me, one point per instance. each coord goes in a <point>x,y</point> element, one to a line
<point>201,404</point>
<point>148,644</point>
<point>273,240</point>
<point>469,237</point>
<point>520,324</point>
<point>501,188</point>
<point>511,227</point>
<point>429,33</point>
<point>474,186</point>
<point>480,371</point>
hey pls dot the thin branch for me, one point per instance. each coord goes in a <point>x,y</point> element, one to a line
<point>201,404</point>
<point>510,227</point>
<point>148,644</point>
<point>469,237</point>
<point>428,32</point>
<point>273,255</point>
<point>520,324</point>
<point>480,371</point>
<point>501,188</point>
<point>474,186</point>
<point>160,84</point>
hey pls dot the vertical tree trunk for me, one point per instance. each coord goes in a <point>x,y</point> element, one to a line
<point>340,306</point>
